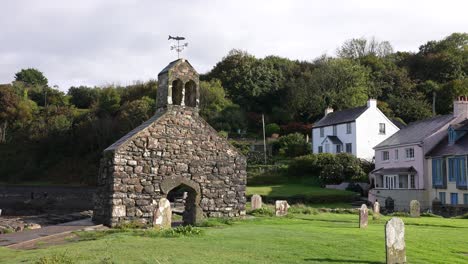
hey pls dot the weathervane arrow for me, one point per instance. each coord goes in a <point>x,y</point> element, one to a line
<point>178,47</point>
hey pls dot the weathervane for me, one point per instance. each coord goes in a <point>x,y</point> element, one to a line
<point>179,48</point>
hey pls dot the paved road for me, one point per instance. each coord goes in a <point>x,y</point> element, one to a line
<point>27,235</point>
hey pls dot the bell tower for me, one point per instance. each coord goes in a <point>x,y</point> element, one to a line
<point>179,84</point>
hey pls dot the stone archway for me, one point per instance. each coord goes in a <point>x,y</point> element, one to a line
<point>193,212</point>
<point>177,87</point>
<point>190,94</point>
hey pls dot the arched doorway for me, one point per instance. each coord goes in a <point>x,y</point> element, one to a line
<point>183,200</point>
<point>184,196</point>
<point>177,87</point>
<point>190,94</point>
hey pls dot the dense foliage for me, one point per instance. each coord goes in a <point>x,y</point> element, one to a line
<point>46,134</point>
<point>329,168</point>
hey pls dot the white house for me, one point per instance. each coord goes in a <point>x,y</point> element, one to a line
<point>356,131</point>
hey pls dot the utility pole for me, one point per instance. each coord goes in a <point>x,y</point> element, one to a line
<point>264,139</point>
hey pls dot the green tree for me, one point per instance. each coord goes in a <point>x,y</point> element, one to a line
<point>133,113</point>
<point>271,129</point>
<point>31,76</point>
<point>109,101</point>
<point>83,97</point>
<point>212,99</point>
<point>360,47</point>
<point>9,102</point>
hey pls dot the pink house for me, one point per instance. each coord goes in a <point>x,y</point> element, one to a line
<point>400,161</point>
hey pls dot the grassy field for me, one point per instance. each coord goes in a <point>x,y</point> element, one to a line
<point>321,238</point>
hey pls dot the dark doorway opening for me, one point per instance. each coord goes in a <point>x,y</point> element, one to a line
<point>183,202</point>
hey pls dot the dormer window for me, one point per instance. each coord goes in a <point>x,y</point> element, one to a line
<point>452,135</point>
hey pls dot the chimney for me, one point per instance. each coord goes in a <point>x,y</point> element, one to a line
<point>460,107</point>
<point>371,103</point>
<point>328,110</point>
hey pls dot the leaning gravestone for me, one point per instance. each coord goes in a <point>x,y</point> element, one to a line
<point>415,208</point>
<point>363,216</point>
<point>376,211</point>
<point>162,217</point>
<point>395,241</point>
<point>281,208</point>
<point>256,201</point>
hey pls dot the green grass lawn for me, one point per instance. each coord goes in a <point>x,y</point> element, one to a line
<point>302,193</point>
<point>321,238</point>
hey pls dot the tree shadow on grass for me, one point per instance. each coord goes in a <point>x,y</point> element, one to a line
<point>342,260</point>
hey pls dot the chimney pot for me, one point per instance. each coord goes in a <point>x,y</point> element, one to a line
<point>371,103</point>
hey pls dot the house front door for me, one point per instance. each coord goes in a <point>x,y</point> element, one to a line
<point>390,181</point>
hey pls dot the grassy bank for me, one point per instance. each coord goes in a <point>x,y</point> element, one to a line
<point>321,238</point>
<point>301,193</point>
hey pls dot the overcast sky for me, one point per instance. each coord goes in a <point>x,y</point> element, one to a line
<point>94,42</point>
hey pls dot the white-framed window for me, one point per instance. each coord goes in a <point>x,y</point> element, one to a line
<point>320,149</point>
<point>409,153</point>
<point>349,147</point>
<point>327,148</point>
<point>338,148</point>
<point>322,132</point>
<point>382,128</point>
<point>385,155</point>
<point>396,154</point>
<point>412,181</point>
<point>334,130</point>
<point>348,128</point>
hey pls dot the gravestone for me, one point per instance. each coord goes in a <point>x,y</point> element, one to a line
<point>256,201</point>
<point>415,208</point>
<point>363,216</point>
<point>281,208</point>
<point>395,241</point>
<point>376,209</point>
<point>162,217</point>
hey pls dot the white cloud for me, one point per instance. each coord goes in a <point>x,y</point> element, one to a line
<point>99,42</point>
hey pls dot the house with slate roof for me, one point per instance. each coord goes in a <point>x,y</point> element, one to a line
<point>446,165</point>
<point>356,131</point>
<point>401,168</point>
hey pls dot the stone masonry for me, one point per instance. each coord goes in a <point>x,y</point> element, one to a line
<point>176,147</point>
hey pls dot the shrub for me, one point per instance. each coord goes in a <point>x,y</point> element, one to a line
<point>329,168</point>
<point>292,145</point>
<point>352,170</point>
<point>271,129</point>
<point>304,165</point>
<point>243,147</point>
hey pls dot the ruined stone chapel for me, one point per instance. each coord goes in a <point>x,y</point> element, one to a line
<point>175,149</point>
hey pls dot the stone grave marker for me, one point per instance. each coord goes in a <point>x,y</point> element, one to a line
<point>256,201</point>
<point>162,217</point>
<point>395,241</point>
<point>281,208</point>
<point>415,208</point>
<point>376,211</point>
<point>363,216</point>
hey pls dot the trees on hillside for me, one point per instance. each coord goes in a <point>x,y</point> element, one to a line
<point>31,76</point>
